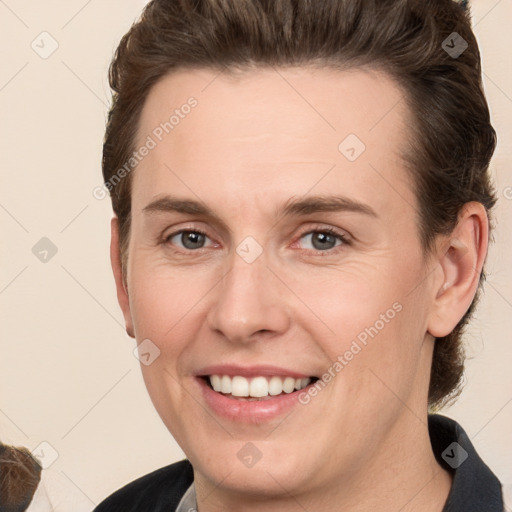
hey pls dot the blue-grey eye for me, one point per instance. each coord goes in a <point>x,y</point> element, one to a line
<point>189,239</point>
<point>322,241</point>
<point>325,239</point>
<point>192,239</point>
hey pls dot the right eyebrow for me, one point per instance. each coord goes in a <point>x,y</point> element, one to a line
<point>168,204</point>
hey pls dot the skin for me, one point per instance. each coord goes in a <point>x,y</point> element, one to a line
<point>253,143</point>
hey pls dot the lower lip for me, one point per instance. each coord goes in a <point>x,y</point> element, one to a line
<point>243,411</point>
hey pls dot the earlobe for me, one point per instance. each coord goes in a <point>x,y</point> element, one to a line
<point>460,261</point>
<point>117,269</point>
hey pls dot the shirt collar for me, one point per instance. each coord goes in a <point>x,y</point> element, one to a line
<point>188,502</point>
<point>474,487</point>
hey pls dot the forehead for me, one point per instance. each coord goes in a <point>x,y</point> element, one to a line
<point>288,130</point>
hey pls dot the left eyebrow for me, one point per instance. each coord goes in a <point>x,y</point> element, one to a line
<point>326,203</point>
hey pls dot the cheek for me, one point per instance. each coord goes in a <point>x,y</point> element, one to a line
<point>162,299</point>
<point>368,316</point>
<point>344,304</point>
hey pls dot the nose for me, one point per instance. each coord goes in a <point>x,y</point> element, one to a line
<point>249,302</point>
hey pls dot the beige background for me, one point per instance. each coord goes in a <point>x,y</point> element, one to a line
<point>68,376</point>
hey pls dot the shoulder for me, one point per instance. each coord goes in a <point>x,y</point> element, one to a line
<point>158,491</point>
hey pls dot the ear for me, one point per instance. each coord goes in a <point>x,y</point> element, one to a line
<point>117,268</point>
<point>460,264</point>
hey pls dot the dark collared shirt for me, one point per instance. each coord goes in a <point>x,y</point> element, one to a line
<point>475,488</point>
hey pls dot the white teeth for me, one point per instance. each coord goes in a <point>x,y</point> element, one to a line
<point>256,387</point>
<point>239,386</point>
<point>216,382</point>
<point>301,383</point>
<point>275,386</point>
<point>289,385</point>
<point>225,384</point>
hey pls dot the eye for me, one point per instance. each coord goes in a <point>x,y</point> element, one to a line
<point>325,239</point>
<point>190,239</point>
<point>321,239</point>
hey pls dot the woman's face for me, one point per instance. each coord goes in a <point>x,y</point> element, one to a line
<point>300,258</point>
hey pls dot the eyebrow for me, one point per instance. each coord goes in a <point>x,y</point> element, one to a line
<point>299,207</point>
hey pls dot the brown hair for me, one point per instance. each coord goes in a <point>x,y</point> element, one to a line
<point>451,139</point>
<point>20,474</point>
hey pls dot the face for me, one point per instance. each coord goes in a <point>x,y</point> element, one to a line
<point>274,239</point>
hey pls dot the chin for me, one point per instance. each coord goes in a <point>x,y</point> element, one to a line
<point>269,480</point>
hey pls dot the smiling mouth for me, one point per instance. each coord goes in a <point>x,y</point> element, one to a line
<point>255,388</point>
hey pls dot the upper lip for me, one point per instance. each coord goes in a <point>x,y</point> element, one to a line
<point>250,371</point>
